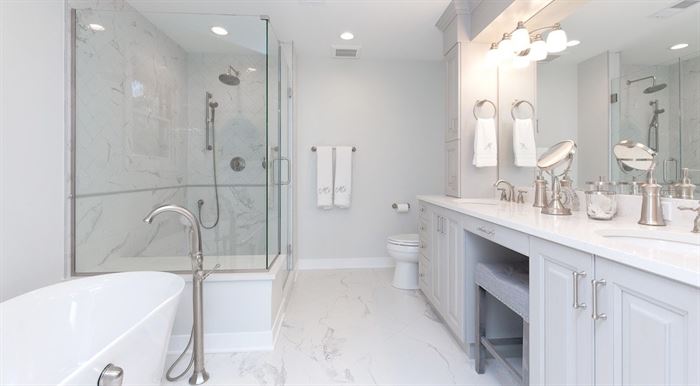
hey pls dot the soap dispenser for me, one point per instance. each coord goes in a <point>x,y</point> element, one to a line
<point>652,214</point>
<point>685,188</point>
<point>540,191</point>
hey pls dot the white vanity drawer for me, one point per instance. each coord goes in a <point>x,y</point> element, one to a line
<point>506,237</point>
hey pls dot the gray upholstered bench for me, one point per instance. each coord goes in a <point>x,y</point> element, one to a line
<point>509,284</point>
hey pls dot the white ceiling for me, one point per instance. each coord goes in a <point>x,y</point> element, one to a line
<point>629,27</point>
<point>390,29</point>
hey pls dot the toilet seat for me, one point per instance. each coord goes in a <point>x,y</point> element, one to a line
<point>406,240</point>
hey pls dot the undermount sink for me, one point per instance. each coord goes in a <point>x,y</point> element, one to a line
<point>477,201</point>
<point>686,243</point>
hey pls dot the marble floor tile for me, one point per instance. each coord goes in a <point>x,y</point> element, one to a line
<point>352,327</point>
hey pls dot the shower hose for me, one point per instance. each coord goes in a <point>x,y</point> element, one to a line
<point>168,375</point>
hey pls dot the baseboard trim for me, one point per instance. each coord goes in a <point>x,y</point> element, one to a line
<point>345,263</point>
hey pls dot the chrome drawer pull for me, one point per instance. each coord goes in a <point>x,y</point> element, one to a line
<point>594,285</point>
<point>578,275</point>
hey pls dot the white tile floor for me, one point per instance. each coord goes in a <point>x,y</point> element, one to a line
<point>352,327</point>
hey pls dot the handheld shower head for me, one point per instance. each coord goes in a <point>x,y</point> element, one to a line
<point>230,78</point>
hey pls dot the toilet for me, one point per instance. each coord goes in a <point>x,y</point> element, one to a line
<point>404,249</point>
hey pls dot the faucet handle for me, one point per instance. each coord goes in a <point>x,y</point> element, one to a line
<point>690,208</point>
<point>521,197</point>
<point>504,196</point>
<point>206,275</point>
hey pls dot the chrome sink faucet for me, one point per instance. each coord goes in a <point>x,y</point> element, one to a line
<point>511,190</point>
<point>199,375</point>
<point>696,224</point>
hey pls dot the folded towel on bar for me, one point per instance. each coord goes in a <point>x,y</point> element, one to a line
<point>524,148</point>
<point>343,176</point>
<point>324,177</point>
<point>485,143</point>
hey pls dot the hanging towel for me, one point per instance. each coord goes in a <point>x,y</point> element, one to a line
<point>485,144</point>
<point>524,148</point>
<point>343,176</point>
<point>324,177</point>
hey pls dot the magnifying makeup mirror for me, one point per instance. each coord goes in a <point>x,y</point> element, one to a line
<point>556,162</point>
<point>634,157</point>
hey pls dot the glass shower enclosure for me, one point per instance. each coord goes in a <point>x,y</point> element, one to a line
<point>185,109</point>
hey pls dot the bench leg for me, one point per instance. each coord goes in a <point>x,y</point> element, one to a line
<point>479,331</point>
<point>526,353</point>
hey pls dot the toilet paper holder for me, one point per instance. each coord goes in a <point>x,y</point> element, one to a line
<point>396,206</point>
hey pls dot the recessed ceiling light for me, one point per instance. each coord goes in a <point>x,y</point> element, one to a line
<point>678,46</point>
<point>221,31</point>
<point>252,69</point>
<point>347,35</point>
<point>96,27</point>
<point>572,43</point>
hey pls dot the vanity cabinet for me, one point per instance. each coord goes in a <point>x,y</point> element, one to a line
<point>561,328</point>
<point>594,321</point>
<point>441,267</point>
<point>651,330</point>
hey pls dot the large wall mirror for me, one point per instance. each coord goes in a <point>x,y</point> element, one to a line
<point>635,75</point>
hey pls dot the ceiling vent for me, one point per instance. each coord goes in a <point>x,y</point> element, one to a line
<point>346,52</point>
<point>675,9</point>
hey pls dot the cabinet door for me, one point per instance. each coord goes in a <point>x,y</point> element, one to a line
<point>437,265</point>
<point>650,334</point>
<point>561,335</point>
<point>454,277</point>
<point>452,169</point>
<point>452,87</point>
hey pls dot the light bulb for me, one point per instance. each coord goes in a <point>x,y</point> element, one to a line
<point>556,40</point>
<point>538,49</point>
<point>493,57</point>
<point>520,38</point>
<point>505,47</point>
<point>218,30</point>
<point>520,61</point>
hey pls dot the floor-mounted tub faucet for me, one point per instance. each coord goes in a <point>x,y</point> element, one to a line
<point>200,375</point>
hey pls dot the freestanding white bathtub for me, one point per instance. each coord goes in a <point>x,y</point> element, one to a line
<point>66,334</point>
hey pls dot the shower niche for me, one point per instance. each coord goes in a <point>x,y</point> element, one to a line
<point>162,105</point>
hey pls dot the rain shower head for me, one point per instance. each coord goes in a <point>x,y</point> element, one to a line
<point>230,78</point>
<point>651,89</point>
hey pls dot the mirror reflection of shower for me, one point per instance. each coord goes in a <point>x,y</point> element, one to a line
<point>653,129</point>
<point>230,78</point>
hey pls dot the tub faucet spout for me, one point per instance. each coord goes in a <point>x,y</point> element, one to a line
<point>200,375</point>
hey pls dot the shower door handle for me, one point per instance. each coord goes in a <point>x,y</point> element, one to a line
<point>289,172</point>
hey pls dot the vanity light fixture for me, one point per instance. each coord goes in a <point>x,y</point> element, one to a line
<point>220,31</point>
<point>347,35</point>
<point>96,27</point>
<point>678,46</point>
<point>520,38</point>
<point>521,46</point>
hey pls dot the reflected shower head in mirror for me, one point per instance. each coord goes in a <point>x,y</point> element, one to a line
<point>230,78</point>
<point>651,89</point>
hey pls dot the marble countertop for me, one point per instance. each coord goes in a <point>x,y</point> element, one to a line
<point>579,232</point>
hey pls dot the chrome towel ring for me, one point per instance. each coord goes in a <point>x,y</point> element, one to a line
<point>480,103</point>
<point>516,105</point>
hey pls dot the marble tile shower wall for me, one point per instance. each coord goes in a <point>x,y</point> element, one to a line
<point>130,137</point>
<point>240,123</point>
<point>140,142</point>
<point>690,119</point>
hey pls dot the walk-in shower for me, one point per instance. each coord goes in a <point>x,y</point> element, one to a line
<point>160,114</point>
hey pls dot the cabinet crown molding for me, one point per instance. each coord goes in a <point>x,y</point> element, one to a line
<point>456,7</point>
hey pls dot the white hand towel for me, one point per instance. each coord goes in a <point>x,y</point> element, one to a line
<point>324,177</point>
<point>343,176</point>
<point>524,148</point>
<point>485,145</point>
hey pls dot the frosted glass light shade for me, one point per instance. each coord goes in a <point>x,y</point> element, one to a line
<point>556,41</point>
<point>505,47</point>
<point>538,49</point>
<point>520,38</point>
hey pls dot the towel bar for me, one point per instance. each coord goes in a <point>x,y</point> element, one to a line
<point>354,148</point>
